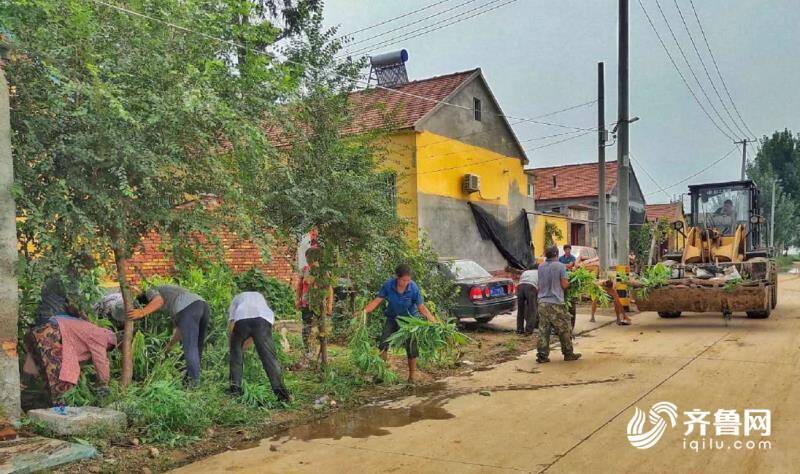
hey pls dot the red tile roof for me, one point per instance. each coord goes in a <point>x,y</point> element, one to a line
<point>404,105</point>
<point>571,181</point>
<point>672,211</point>
<point>401,107</point>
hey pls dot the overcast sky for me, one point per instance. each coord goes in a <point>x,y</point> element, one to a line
<point>540,56</point>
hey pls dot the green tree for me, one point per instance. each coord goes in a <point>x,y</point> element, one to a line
<point>551,234</point>
<point>778,158</point>
<point>327,180</point>
<point>118,118</point>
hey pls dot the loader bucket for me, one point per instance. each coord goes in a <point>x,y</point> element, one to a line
<point>705,300</point>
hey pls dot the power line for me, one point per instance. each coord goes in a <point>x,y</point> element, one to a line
<point>559,141</point>
<point>395,18</point>
<point>691,70</point>
<point>549,136</point>
<point>716,66</point>
<point>699,172</point>
<point>678,70</point>
<point>489,129</point>
<point>417,21</point>
<point>650,176</point>
<point>708,75</point>
<point>364,82</point>
<point>430,28</point>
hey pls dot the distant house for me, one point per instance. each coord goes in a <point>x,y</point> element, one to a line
<point>572,191</point>
<point>671,211</point>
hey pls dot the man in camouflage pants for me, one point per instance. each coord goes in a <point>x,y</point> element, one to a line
<point>553,313</point>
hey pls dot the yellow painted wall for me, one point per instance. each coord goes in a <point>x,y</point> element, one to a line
<point>442,163</point>
<point>400,156</point>
<point>538,231</point>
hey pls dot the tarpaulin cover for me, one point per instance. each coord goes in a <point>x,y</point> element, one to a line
<point>512,239</point>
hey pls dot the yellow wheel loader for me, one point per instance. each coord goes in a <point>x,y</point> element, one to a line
<point>724,266</point>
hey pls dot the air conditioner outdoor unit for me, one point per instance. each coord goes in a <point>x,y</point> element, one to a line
<point>471,183</point>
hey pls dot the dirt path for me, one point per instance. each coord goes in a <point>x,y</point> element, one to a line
<point>572,417</point>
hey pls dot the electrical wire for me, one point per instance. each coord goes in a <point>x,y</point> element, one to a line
<point>677,69</point>
<point>417,21</point>
<point>716,66</point>
<point>691,70</point>
<point>558,141</point>
<point>710,165</point>
<point>490,129</point>
<point>404,15</point>
<point>650,176</point>
<point>362,81</point>
<point>430,28</point>
<point>705,68</point>
<point>549,136</point>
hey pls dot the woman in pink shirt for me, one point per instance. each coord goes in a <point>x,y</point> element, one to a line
<point>56,348</point>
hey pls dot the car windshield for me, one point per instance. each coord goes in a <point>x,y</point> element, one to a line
<point>723,208</point>
<point>467,270</point>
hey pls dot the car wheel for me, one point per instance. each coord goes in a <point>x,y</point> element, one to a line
<point>669,314</point>
<point>484,319</point>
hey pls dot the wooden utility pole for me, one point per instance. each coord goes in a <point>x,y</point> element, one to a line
<point>623,162</point>
<point>9,363</point>
<point>602,204</point>
<point>744,143</point>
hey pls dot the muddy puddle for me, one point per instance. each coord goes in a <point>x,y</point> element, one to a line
<point>378,418</point>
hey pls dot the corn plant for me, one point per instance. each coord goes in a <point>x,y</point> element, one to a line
<point>652,277</point>
<point>438,342</point>
<point>583,283</point>
<point>364,354</point>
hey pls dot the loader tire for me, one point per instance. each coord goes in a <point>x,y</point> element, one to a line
<point>760,314</point>
<point>669,314</point>
<point>774,302</point>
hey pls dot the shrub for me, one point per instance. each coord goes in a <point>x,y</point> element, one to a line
<point>280,296</point>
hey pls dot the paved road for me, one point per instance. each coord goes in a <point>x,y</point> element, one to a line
<point>572,417</point>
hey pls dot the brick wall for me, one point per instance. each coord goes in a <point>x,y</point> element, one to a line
<point>154,258</point>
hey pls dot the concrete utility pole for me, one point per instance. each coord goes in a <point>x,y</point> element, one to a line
<point>623,162</point>
<point>9,364</point>
<point>744,143</point>
<point>602,137</point>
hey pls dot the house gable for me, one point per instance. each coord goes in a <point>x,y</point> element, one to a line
<point>492,132</point>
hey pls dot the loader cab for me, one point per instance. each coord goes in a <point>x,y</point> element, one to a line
<point>726,207</point>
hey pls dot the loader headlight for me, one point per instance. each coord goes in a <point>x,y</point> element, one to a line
<point>754,219</point>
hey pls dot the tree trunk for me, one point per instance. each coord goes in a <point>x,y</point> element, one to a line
<point>127,339</point>
<point>9,363</point>
<point>325,314</point>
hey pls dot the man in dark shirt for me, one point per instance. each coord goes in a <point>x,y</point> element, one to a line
<point>568,259</point>
<point>570,262</point>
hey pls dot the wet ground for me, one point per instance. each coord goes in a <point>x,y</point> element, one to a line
<point>572,416</point>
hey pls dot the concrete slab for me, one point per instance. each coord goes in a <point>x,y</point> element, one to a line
<point>25,455</point>
<point>82,420</point>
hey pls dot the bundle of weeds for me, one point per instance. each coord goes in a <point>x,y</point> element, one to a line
<point>584,284</point>
<point>732,284</point>
<point>438,342</point>
<point>364,355</point>
<point>652,277</point>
